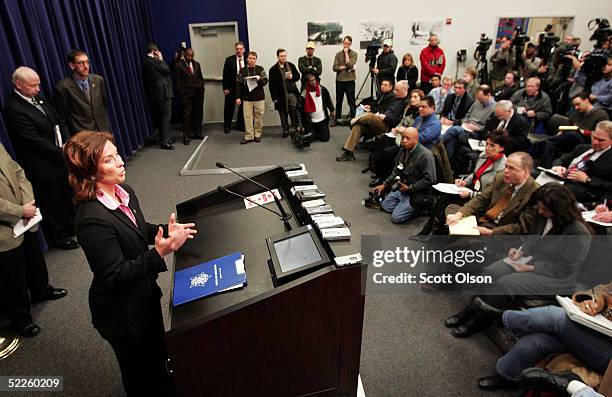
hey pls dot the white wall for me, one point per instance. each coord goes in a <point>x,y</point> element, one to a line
<point>281,23</point>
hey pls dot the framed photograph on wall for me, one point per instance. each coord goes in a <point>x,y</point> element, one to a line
<point>421,29</point>
<point>324,33</point>
<point>374,32</point>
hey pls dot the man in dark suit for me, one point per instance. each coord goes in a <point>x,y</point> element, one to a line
<point>37,134</point>
<point>502,208</point>
<point>231,68</point>
<point>22,264</point>
<point>81,97</point>
<point>190,88</point>
<point>517,126</point>
<point>588,168</point>
<point>283,90</point>
<point>158,88</point>
<point>456,104</point>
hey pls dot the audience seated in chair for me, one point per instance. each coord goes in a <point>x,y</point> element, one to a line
<point>491,161</point>
<point>547,330</point>
<point>585,118</point>
<point>388,113</point>
<point>587,169</point>
<point>456,104</point>
<point>533,104</point>
<point>473,122</point>
<point>503,207</point>
<point>508,119</point>
<point>559,240</point>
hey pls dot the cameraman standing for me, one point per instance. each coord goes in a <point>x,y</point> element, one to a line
<point>387,63</point>
<point>411,180</point>
<point>502,62</point>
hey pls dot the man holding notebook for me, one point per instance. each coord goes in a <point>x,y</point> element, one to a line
<point>503,207</point>
<point>22,264</point>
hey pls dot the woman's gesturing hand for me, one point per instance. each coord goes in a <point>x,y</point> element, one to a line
<point>178,233</point>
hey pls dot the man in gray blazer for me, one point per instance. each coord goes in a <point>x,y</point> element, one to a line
<point>22,264</point>
<point>81,97</point>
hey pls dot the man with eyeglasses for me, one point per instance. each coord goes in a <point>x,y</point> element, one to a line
<point>81,97</point>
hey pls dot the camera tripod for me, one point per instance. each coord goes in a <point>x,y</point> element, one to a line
<point>482,66</point>
<point>373,80</point>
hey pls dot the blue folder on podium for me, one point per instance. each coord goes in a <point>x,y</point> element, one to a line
<point>209,278</point>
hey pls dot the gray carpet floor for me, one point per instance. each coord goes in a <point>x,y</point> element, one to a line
<point>406,351</point>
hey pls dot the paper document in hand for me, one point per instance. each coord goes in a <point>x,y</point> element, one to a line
<point>468,127</point>
<point>476,145</point>
<point>568,128</point>
<point>20,228</point>
<point>524,260</point>
<point>588,216</point>
<point>251,84</point>
<point>450,188</point>
<point>465,227</point>
<point>598,322</point>
<point>545,178</point>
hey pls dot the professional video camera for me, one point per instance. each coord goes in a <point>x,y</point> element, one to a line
<point>547,42</point>
<point>480,55</point>
<point>482,46</point>
<point>519,38</point>
<point>301,138</point>
<point>598,58</point>
<point>372,53</point>
<point>602,33</point>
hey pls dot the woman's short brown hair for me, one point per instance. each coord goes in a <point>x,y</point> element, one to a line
<point>82,153</point>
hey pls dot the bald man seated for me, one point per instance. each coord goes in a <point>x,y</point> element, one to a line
<point>409,185</point>
<point>37,134</point>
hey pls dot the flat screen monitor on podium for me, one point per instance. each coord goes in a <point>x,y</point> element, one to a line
<point>295,252</point>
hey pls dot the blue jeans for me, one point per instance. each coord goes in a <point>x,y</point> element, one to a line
<point>451,139</point>
<point>546,330</point>
<point>398,204</point>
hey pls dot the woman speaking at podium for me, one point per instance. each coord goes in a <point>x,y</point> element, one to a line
<point>124,297</point>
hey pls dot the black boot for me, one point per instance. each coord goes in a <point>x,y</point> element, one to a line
<point>470,327</point>
<point>541,380</point>
<point>347,155</point>
<point>488,311</point>
<point>460,318</point>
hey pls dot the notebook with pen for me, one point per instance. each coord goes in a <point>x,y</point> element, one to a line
<point>209,278</point>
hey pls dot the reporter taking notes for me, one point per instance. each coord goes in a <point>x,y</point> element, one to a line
<point>124,295</point>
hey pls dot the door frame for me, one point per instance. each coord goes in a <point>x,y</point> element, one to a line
<point>208,25</point>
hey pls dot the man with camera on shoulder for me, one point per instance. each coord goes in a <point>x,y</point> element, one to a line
<point>411,180</point>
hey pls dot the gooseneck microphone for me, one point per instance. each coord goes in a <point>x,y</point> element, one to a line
<point>284,215</point>
<point>226,190</point>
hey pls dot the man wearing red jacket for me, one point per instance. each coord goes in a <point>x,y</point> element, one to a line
<point>433,62</point>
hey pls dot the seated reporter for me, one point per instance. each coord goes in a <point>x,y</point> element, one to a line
<point>388,145</point>
<point>491,161</point>
<point>503,207</point>
<point>558,243</point>
<point>587,169</point>
<point>390,107</point>
<point>411,180</point>
<point>584,118</point>
<point>124,297</point>
<point>22,264</point>
<point>547,330</point>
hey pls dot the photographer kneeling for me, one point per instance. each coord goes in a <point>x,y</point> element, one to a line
<point>411,180</point>
<point>314,111</point>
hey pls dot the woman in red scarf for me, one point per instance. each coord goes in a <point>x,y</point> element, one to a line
<point>490,161</point>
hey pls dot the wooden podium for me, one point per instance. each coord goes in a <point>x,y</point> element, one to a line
<point>296,339</point>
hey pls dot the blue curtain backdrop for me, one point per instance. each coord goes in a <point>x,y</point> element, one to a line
<point>40,33</point>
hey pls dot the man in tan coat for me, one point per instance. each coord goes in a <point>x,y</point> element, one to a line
<point>22,264</point>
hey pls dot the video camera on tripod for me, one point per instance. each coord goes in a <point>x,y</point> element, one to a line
<point>480,55</point>
<point>547,42</point>
<point>372,54</point>
<point>598,58</point>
